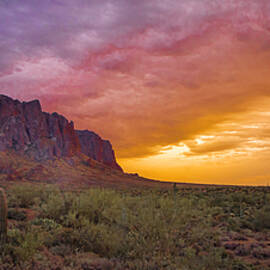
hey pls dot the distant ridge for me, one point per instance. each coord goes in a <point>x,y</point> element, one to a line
<point>27,130</point>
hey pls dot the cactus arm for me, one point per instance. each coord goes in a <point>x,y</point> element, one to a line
<point>3,216</point>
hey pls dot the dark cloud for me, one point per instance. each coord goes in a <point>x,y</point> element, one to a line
<point>66,28</point>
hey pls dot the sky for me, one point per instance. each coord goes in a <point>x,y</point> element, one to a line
<point>180,88</point>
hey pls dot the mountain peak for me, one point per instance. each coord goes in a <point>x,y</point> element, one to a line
<point>25,128</point>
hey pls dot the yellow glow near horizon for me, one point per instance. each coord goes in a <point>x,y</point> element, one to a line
<point>234,152</point>
<point>172,151</point>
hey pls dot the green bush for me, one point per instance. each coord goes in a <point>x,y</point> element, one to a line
<point>46,224</point>
<point>53,207</point>
<point>23,245</point>
<point>261,219</point>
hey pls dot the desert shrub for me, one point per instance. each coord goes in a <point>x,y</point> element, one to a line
<point>102,239</point>
<point>16,214</point>
<point>46,224</point>
<point>22,245</point>
<point>96,203</point>
<point>23,195</point>
<point>53,207</point>
<point>212,259</point>
<point>61,250</point>
<point>261,219</point>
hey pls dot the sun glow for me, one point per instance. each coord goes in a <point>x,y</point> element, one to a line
<point>173,150</point>
<point>199,141</point>
<point>229,153</point>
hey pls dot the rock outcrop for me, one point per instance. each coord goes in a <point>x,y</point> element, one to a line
<point>96,148</point>
<point>26,129</point>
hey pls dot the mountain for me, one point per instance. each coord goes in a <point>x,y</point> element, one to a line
<point>96,148</point>
<point>26,130</point>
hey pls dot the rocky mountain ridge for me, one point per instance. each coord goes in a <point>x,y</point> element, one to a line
<point>26,129</point>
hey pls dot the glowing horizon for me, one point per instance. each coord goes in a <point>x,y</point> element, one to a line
<point>180,88</point>
<point>225,154</point>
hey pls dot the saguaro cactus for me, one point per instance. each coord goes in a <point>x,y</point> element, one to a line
<point>3,216</point>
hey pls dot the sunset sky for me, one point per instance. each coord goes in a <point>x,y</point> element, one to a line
<point>180,88</point>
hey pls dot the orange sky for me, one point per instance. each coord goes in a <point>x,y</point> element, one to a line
<point>234,151</point>
<point>180,88</point>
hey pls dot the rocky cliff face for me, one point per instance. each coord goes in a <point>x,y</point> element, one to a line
<point>96,148</point>
<point>40,135</point>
